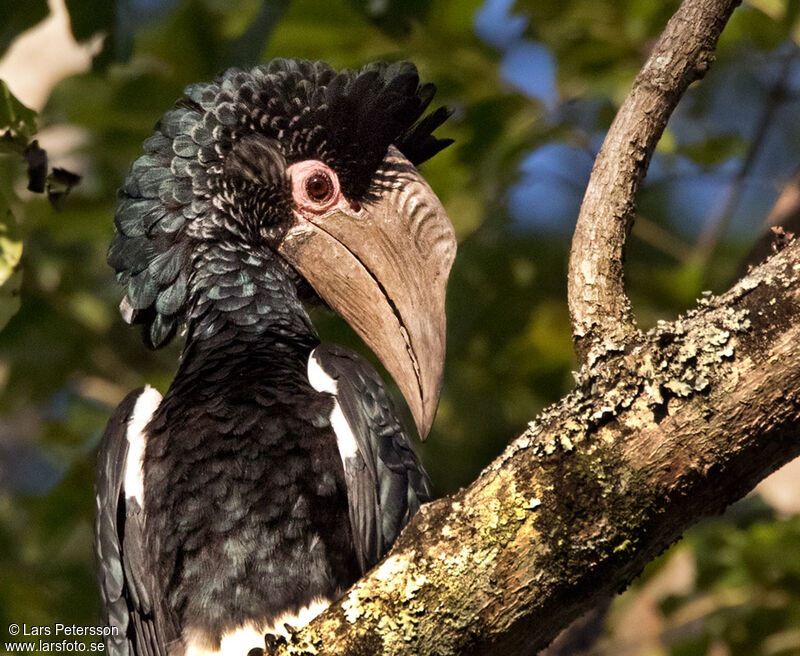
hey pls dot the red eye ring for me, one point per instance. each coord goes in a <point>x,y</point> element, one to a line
<point>315,186</point>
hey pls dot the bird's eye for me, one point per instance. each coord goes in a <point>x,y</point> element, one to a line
<point>319,186</point>
<point>315,186</point>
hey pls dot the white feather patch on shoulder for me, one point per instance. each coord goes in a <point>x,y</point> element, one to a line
<point>322,382</point>
<point>244,638</point>
<point>319,378</point>
<point>143,411</point>
<point>345,439</point>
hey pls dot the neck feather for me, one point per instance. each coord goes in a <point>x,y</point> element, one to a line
<point>243,295</point>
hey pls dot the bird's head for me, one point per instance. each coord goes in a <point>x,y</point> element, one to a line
<point>312,168</point>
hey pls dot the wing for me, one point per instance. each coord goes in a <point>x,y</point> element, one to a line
<point>126,583</point>
<point>386,483</point>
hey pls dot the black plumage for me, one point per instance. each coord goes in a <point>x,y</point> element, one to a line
<point>248,464</point>
<point>251,504</point>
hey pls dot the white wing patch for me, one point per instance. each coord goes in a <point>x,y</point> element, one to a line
<point>322,382</point>
<point>145,406</point>
<point>319,378</point>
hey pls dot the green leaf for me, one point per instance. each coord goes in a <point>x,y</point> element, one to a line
<point>10,273</point>
<point>17,122</point>
<point>16,17</point>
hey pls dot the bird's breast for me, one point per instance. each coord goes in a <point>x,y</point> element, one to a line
<point>246,502</point>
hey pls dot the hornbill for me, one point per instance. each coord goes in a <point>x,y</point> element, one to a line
<point>274,471</point>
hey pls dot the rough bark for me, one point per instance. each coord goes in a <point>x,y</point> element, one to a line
<point>598,305</point>
<point>676,427</point>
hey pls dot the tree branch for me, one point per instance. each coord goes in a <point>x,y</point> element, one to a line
<point>718,222</point>
<point>782,221</point>
<point>600,309</point>
<point>685,422</point>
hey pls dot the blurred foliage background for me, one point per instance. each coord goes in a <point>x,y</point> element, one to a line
<point>534,85</point>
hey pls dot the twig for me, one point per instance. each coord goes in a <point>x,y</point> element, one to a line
<point>599,306</point>
<point>785,214</point>
<point>717,224</point>
<point>667,242</point>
